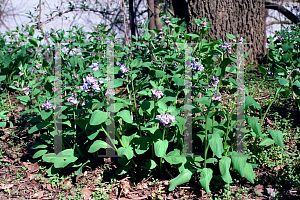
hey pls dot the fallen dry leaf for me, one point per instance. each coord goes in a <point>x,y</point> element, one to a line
<point>259,188</point>
<point>39,194</point>
<point>279,167</point>
<point>126,185</point>
<point>86,192</point>
<point>31,167</point>
<point>6,186</point>
<point>73,193</point>
<point>67,182</point>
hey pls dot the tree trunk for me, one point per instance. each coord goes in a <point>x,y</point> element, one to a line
<point>151,18</point>
<point>156,14</point>
<point>247,18</point>
<point>131,17</point>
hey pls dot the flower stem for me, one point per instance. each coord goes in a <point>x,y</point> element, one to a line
<point>262,119</point>
<point>228,122</point>
<point>206,137</point>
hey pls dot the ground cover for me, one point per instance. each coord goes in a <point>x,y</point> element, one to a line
<point>149,117</point>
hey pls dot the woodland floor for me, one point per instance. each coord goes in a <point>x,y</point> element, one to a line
<point>21,179</point>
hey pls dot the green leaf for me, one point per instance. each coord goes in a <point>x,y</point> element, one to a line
<point>33,41</point>
<point>118,82</point>
<point>277,137</point>
<point>46,114</point>
<point>239,163</point>
<point>125,115</point>
<point>159,73</point>
<point>38,145</point>
<point>98,144</point>
<point>286,57</point>
<point>31,31</point>
<point>2,78</point>
<point>174,157</point>
<point>49,157</point>
<point>249,173</point>
<point>123,170</point>
<point>296,87</point>
<point>143,93</point>
<point>253,122</point>
<point>230,36</point>
<point>211,160</point>
<point>216,145</point>
<point>142,144</point>
<point>160,147</point>
<point>37,127</point>
<point>204,100</point>
<point>39,153</point>
<point>128,152</point>
<point>98,117</point>
<point>64,158</point>
<point>262,69</point>
<point>206,176</point>
<point>193,35</point>
<point>249,101</point>
<point>283,81</point>
<point>79,171</point>
<point>224,166</point>
<point>127,139</point>
<point>149,164</point>
<point>285,92</point>
<point>285,47</point>
<point>178,81</point>
<point>162,105</point>
<point>183,177</point>
<point>266,142</point>
<point>2,124</point>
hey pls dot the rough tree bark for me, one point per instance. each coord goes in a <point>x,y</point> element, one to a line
<point>156,14</point>
<point>151,17</point>
<point>247,18</point>
<point>131,17</point>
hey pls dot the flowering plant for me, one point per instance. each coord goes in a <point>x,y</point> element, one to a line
<point>151,119</point>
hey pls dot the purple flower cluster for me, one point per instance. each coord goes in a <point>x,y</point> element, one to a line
<point>21,74</point>
<point>26,90</point>
<point>242,88</point>
<point>72,100</point>
<point>90,81</point>
<point>99,38</point>
<point>94,66</point>
<point>47,105</point>
<point>44,72</point>
<point>166,119</point>
<point>9,50</point>
<point>124,69</point>
<point>96,31</point>
<point>168,22</point>
<point>68,41</point>
<point>38,66</point>
<point>215,97</point>
<point>197,66</point>
<point>226,46</point>
<point>214,81</point>
<point>157,93</point>
<point>204,23</point>
<point>110,92</point>
<point>161,32</point>
<point>241,40</point>
<point>176,63</point>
